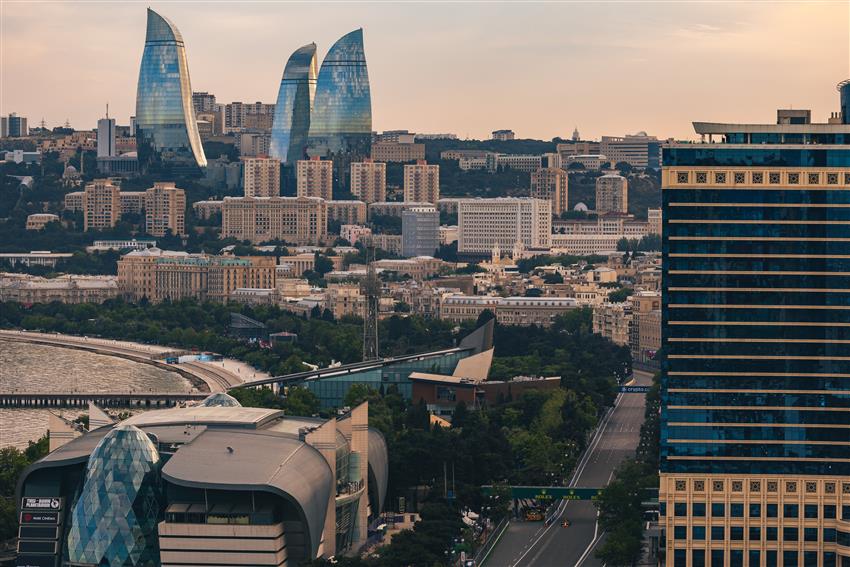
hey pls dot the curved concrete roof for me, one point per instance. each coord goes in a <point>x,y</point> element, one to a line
<point>279,464</point>
<point>379,464</point>
<point>232,416</point>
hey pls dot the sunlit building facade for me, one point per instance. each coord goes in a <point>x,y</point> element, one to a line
<point>755,449</point>
<point>341,121</point>
<point>166,131</point>
<point>294,104</point>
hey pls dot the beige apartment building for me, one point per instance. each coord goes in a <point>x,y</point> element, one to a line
<point>612,194</point>
<point>345,299</point>
<point>551,184</point>
<point>653,217</point>
<point>503,222</point>
<point>523,311</point>
<point>422,182</point>
<point>23,288</point>
<point>296,220</point>
<point>206,209</point>
<point>101,205</point>
<point>613,321</point>
<point>132,202</point>
<point>369,180</point>
<point>347,212</point>
<point>315,178</point>
<point>165,210</point>
<point>294,266</point>
<point>38,221</point>
<point>260,176</point>
<point>397,151</point>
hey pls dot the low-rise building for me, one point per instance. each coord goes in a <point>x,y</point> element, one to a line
<point>347,212</point>
<point>517,162</point>
<point>129,244</point>
<point>418,268</point>
<point>399,152</point>
<point>592,162</point>
<point>392,208</point>
<point>354,233</point>
<point>585,237</point>
<point>206,209</point>
<point>613,321</point>
<point>295,265</point>
<point>389,242</point>
<point>345,300</point>
<point>504,135</point>
<point>38,221</point>
<point>523,311</point>
<point>64,289</point>
<point>43,258</point>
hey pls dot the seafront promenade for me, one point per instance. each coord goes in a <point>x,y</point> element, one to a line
<point>212,376</point>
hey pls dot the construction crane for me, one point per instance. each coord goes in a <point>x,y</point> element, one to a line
<point>371,289</point>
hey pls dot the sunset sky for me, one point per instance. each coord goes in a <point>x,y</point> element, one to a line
<point>463,67</point>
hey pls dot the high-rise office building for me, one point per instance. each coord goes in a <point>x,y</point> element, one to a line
<point>422,182</point>
<point>550,183</point>
<point>612,194</point>
<point>369,181</point>
<point>341,121</point>
<point>165,210</point>
<point>106,137</point>
<point>260,176</point>
<point>420,231</point>
<point>13,126</point>
<point>166,132</point>
<point>315,178</point>
<point>294,103</point>
<point>755,449</point>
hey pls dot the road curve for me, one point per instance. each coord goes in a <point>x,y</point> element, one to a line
<point>526,544</point>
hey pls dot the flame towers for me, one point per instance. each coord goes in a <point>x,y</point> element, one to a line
<point>294,103</point>
<point>341,121</point>
<point>166,131</point>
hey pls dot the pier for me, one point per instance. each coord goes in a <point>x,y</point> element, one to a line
<point>141,400</point>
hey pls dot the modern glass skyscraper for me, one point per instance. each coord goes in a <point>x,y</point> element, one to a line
<point>755,419</point>
<point>341,122</point>
<point>294,103</point>
<point>166,131</point>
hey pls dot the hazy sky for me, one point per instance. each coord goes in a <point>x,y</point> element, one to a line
<point>468,68</point>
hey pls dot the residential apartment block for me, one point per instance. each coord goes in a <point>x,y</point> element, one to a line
<point>369,181</point>
<point>315,178</point>
<point>260,177</point>
<point>422,182</point>
<point>296,220</point>
<point>550,184</point>
<point>612,194</point>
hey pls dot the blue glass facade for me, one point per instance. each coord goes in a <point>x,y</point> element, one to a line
<point>756,292</point>
<point>341,122</point>
<point>114,520</point>
<point>166,131</point>
<point>294,104</point>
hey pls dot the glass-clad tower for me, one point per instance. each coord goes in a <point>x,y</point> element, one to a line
<point>755,419</point>
<point>294,103</point>
<point>341,122</point>
<point>166,131</point>
<point>114,520</point>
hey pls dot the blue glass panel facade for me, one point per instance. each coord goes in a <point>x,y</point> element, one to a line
<point>331,390</point>
<point>341,121</point>
<point>114,520</point>
<point>166,132</point>
<point>756,300</point>
<point>294,104</point>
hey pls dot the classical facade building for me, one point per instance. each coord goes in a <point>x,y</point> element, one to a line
<point>25,289</point>
<point>296,220</point>
<point>508,310</point>
<point>347,212</point>
<point>38,221</point>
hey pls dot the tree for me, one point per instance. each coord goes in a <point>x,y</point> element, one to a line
<point>620,295</point>
<point>483,317</point>
<point>623,167</point>
<point>301,401</point>
<point>323,264</point>
<point>576,166</point>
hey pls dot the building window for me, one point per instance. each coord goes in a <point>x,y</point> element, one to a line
<point>789,534</point>
<point>736,533</point>
<point>718,510</point>
<point>771,533</point>
<point>772,510</point>
<point>814,178</point>
<point>829,487</point>
<point>702,177</point>
<point>680,557</point>
<point>698,509</point>
<point>680,532</point>
<point>828,559</point>
<point>698,532</point>
<point>811,487</point>
<point>740,177</point>
<point>717,557</point>
<point>681,485</point>
<point>755,534</point>
<point>791,511</point>
<point>829,511</point>
<point>775,177</point>
<point>810,511</point>
<point>810,534</point>
<point>758,177</point>
<point>755,557</point>
<point>791,486</point>
<point>828,535</point>
<point>680,509</point>
<point>789,559</point>
<point>720,177</point>
<point>699,486</point>
<point>755,510</point>
<point>717,485</point>
<point>847,178</point>
<point>697,558</point>
<point>845,512</point>
<point>681,177</point>
<point>736,510</point>
<point>737,486</point>
<point>845,487</point>
<point>717,533</point>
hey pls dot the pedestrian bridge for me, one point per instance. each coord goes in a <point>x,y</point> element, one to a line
<point>544,493</point>
<point>144,400</point>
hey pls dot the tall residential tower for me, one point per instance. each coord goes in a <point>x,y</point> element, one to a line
<point>166,131</point>
<point>755,427</point>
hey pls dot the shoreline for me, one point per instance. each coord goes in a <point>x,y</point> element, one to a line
<point>205,376</point>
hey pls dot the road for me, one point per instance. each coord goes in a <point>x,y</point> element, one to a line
<point>533,544</point>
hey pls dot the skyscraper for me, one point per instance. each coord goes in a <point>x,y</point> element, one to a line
<point>294,103</point>
<point>166,131</point>
<point>755,449</point>
<point>341,121</point>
